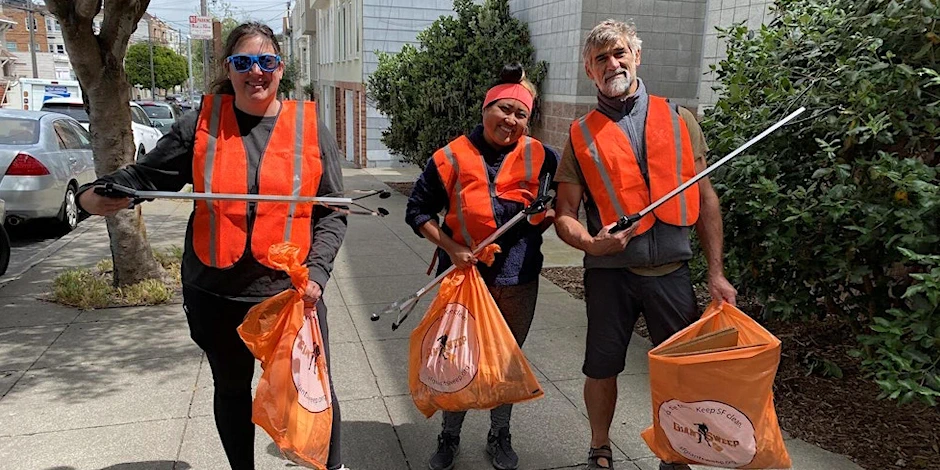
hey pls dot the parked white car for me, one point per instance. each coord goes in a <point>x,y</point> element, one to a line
<point>145,134</point>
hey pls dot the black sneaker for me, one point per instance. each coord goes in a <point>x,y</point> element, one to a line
<point>499,448</point>
<point>673,466</point>
<point>447,449</point>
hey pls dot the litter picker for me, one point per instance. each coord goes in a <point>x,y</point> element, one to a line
<point>114,190</point>
<point>404,306</point>
<point>626,221</point>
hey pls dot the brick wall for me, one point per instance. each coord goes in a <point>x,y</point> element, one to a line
<point>19,35</point>
<point>359,119</point>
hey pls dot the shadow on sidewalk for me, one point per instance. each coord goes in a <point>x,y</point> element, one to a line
<point>123,349</point>
<point>368,445</point>
<point>148,465</point>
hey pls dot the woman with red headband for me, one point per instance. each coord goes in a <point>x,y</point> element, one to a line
<point>483,179</point>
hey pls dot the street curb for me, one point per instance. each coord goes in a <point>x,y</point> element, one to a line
<point>46,252</point>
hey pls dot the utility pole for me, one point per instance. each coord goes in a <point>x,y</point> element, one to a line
<point>189,57</point>
<point>153,80</point>
<point>31,26</point>
<point>204,9</point>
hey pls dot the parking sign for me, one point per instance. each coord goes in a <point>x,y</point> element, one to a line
<point>200,27</point>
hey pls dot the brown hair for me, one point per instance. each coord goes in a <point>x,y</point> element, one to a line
<point>222,85</point>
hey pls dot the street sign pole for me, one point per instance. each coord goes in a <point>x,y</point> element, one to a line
<point>200,28</point>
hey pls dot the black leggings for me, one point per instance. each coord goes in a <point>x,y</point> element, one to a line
<point>212,324</point>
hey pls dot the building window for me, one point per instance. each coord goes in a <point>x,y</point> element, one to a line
<point>53,25</point>
<point>342,33</point>
<point>60,48</point>
<point>11,45</point>
<point>356,27</point>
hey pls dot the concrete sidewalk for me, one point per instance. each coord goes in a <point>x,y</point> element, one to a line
<point>125,388</point>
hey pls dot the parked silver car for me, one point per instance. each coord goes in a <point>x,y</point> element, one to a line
<point>4,242</point>
<point>44,158</point>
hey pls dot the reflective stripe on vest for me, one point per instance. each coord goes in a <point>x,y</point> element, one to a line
<point>612,172</point>
<point>221,228</point>
<point>457,208</point>
<point>472,195</point>
<point>210,162</point>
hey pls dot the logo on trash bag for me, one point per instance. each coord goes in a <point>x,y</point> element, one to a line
<point>709,432</point>
<point>308,367</point>
<point>450,353</point>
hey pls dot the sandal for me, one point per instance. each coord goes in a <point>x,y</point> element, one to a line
<point>597,453</point>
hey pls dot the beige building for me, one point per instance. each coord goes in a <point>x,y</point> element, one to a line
<point>7,59</point>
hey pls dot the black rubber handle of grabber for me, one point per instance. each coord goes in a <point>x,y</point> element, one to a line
<point>540,204</point>
<point>624,223</point>
<point>116,191</point>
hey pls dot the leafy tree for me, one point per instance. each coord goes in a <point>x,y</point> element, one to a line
<point>839,213</point>
<point>290,76</point>
<point>310,91</point>
<point>170,69</point>
<point>98,60</point>
<point>433,93</point>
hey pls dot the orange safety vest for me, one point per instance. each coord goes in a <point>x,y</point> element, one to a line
<point>613,176</point>
<point>290,165</point>
<point>472,194</point>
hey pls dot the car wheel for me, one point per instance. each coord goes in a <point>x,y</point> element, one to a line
<point>68,215</point>
<point>4,250</point>
<point>140,153</point>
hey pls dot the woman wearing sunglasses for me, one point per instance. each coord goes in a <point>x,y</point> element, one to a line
<point>243,140</point>
<point>482,180</point>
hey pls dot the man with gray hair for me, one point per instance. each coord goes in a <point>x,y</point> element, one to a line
<point>631,150</point>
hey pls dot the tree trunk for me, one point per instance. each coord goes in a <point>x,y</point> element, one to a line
<point>98,61</point>
<point>113,144</point>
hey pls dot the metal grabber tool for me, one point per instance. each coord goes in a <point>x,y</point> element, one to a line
<point>338,204</point>
<point>404,306</point>
<point>626,221</point>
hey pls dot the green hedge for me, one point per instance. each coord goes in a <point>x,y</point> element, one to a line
<point>838,213</point>
<point>434,92</point>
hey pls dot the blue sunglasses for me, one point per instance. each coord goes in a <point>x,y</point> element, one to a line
<point>243,62</point>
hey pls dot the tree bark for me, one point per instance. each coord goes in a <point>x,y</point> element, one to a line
<point>98,61</point>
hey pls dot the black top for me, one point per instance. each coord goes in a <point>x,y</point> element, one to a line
<point>169,167</point>
<point>521,258</point>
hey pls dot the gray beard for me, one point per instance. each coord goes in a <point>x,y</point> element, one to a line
<point>618,86</point>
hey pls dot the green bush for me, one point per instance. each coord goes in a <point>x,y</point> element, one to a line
<point>434,92</point>
<point>837,214</point>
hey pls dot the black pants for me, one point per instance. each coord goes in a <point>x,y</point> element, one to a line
<point>212,324</point>
<point>616,298</point>
<point>517,304</point>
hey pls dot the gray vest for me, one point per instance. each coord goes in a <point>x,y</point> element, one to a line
<point>661,244</point>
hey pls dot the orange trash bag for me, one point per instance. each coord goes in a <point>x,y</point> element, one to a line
<point>712,391</point>
<point>292,402</point>
<point>463,355</point>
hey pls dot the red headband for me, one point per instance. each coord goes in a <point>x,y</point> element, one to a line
<point>509,90</point>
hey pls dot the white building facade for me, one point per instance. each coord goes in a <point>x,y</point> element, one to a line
<point>679,45</point>
<point>341,46</point>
